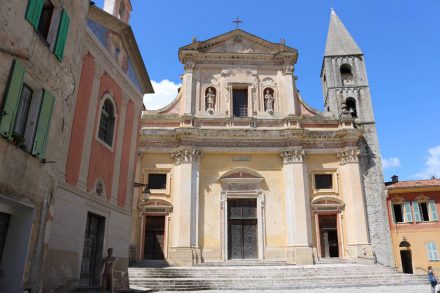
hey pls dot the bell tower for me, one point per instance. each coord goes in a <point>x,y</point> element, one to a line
<point>119,8</point>
<point>347,95</point>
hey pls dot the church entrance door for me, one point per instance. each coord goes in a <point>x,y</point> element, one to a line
<point>154,237</point>
<point>329,236</point>
<point>242,229</point>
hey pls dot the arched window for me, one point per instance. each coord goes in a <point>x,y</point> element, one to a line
<point>346,74</point>
<point>107,122</point>
<point>351,107</point>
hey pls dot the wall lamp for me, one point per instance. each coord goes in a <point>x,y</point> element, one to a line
<point>145,192</point>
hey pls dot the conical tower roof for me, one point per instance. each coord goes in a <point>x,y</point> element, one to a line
<point>339,40</point>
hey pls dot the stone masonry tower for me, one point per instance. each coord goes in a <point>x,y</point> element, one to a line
<point>347,94</point>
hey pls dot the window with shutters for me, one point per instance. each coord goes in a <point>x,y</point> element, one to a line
<point>401,211</point>
<point>51,24</point>
<point>431,248</point>
<point>107,122</point>
<point>26,113</point>
<point>425,209</point>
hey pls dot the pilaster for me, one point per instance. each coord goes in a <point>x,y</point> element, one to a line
<point>184,250</point>
<point>188,87</point>
<point>355,216</point>
<point>88,136</point>
<point>298,219</point>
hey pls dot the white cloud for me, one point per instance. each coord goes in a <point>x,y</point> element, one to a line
<point>432,164</point>
<point>164,93</point>
<point>390,163</point>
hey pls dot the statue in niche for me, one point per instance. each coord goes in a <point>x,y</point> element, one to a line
<point>268,102</point>
<point>210,100</point>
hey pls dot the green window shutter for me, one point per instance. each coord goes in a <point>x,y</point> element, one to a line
<point>12,97</point>
<point>417,211</point>
<point>392,212</point>
<point>42,132</point>
<point>434,251</point>
<point>429,250</point>
<point>434,214</point>
<point>33,12</point>
<point>62,35</point>
<point>408,215</point>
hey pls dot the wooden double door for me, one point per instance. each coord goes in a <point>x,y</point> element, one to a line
<point>242,229</point>
<point>154,237</point>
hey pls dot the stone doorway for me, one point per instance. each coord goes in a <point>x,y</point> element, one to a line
<point>92,251</point>
<point>242,229</point>
<point>328,233</point>
<point>406,258</point>
<point>154,237</point>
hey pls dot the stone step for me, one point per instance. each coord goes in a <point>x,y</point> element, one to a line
<point>269,277</point>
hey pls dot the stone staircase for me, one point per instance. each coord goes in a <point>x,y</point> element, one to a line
<point>269,277</point>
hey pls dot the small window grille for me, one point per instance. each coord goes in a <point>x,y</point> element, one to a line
<point>107,123</point>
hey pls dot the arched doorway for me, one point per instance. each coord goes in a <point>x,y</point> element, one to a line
<point>406,257</point>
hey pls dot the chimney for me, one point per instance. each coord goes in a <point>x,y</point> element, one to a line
<point>394,178</point>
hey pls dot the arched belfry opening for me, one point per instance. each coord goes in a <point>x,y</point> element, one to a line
<point>346,74</point>
<point>351,107</point>
<point>242,214</point>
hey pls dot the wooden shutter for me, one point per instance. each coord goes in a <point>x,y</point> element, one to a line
<point>431,248</point>
<point>433,208</point>
<point>392,212</point>
<point>33,12</point>
<point>417,211</point>
<point>408,215</point>
<point>42,132</point>
<point>62,35</point>
<point>12,97</point>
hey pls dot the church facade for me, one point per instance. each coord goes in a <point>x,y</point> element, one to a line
<point>240,167</point>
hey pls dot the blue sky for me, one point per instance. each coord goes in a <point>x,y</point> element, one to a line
<point>400,40</point>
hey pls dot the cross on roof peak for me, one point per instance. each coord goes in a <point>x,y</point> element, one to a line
<point>237,21</point>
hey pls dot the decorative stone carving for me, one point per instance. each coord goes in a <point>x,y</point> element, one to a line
<point>295,156</point>
<point>186,155</point>
<point>268,102</point>
<point>189,66</point>
<point>349,156</point>
<point>287,69</point>
<point>99,187</point>
<point>210,100</point>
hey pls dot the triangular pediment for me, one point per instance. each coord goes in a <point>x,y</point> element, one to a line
<point>238,42</point>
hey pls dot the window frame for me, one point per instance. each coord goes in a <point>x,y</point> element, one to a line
<point>423,199</point>
<point>167,172</point>
<point>335,181</point>
<point>432,250</point>
<point>105,97</point>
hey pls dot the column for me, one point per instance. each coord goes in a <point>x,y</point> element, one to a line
<point>355,217</point>
<point>298,219</point>
<point>185,250</point>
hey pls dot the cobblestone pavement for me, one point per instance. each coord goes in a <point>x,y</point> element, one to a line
<point>381,289</point>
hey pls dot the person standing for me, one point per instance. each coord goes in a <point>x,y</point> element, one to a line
<point>107,271</point>
<point>432,279</point>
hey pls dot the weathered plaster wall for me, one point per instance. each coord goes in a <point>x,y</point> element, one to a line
<point>102,160</point>
<point>22,177</point>
<point>80,120</point>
